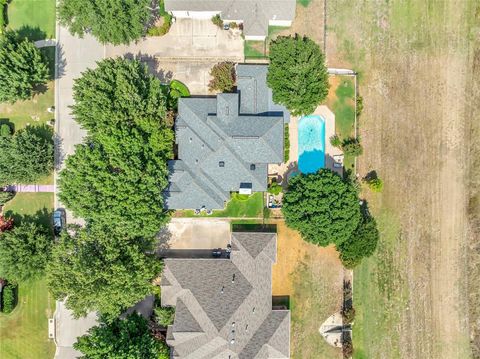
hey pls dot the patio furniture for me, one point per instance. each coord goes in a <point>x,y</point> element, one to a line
<point>338,161</point>
<point>197,212</point>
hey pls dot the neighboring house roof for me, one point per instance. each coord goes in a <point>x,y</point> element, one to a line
<point>255,14</point>
<point>224,306</point>
<point>225,143</point>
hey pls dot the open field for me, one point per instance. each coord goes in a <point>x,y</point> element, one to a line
<point>312,277</point>
<point>416,63</point>
<point>24,332</point>
<point>35,17</point>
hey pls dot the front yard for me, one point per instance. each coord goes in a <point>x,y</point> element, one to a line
<point>35,18</point>
<point>24,332</point>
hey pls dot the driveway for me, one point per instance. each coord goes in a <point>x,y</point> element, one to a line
<point>67,329</point>
<point>187,52</point>
<point>74,55</point>
<point>195,233</point>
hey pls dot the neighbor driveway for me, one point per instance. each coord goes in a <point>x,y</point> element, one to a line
<point>187,52</point>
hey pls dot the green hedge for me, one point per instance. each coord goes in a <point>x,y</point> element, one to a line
<point>286,134</point>
<point>8,298</point>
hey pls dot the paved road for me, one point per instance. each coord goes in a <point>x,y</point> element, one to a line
<point>74,55</point>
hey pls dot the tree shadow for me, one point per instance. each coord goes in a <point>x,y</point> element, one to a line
<point>61,62</point>
<point>42,217</point>
<point>59,152</point>
<point>31,33</point>
<point>153,66</point>
<point>372,175</point>
<point>49,53</point>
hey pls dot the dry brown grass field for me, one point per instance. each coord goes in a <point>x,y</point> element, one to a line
<point>419,76</point>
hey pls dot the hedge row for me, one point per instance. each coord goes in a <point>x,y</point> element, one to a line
<point>9,298</point>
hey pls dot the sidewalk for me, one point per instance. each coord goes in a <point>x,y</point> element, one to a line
<point>31,188</point>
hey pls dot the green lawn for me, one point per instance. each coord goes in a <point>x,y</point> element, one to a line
<point>254,49</point>
<point>344,109</point>
<point>24,332</point>
<point>379,283</point>
<point>36,18</point>
<point>304,3</point>
<point>238,206</point>
<point>32,111</point>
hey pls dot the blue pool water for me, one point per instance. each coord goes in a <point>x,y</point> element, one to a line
<point>311,144</point>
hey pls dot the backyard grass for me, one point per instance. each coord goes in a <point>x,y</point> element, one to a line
<point>254,49</point>
<point>341,100</point>
<point>238,206</point>
<point>36,18</point>
<point>24,332</point>
<point>312,277</point>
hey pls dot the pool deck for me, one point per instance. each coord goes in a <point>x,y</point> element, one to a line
<point>285,169</point>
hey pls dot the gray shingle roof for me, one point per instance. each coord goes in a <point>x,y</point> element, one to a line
<point>219,139</point>
<point>218,314</point>
<point>255,14</point>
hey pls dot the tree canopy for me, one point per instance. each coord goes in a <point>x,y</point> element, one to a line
<point>113,21</point>
<point>297,74</point>
<point>22,68</point>
<point>127,338</point>
<point>24,251</point>
<point>102,269</point>
<point>26,156</point>
<point>119,174</point>
<point>362,243</point>
<point>223,75</point>
<point>322,207</point>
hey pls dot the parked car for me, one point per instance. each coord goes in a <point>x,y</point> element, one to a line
<point>59,221</point>
<point>217,253</point>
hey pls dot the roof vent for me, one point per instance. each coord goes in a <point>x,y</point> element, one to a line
<point>196,161</point>
<point>233,278</point>
<point>252,167</point>
<point>232,341</point>
<point>221,164</point>
<point>190,139</point>
<point>223,287</point>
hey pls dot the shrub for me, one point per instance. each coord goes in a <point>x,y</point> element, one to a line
<point>223,75</point>
<point>375,184</point>
<point>335,141</point>
<point>162,29</point>
<point>165,315</point>
<point>8,298</point>
<point>233,25</point>
<point>217,20</point>
<point>6,224</point>
<point>348,314</point>
<point>359,105</point>
<point>5,197</point>
<point>274,188</point>
<point>286,143</point>
<point>352,147</point>
<point>5,130</point>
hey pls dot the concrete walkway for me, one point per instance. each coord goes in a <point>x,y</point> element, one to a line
<point>50,188</point>
<point>45,43</point>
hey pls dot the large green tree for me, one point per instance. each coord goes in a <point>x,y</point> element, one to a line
<point>362,243</point>
<point>24,251</point>
<point>22,68</point>
<point>118,176</point>
<point>113,21</point>
<point>297,74</point>
<point>322,207</point>
<point>127,338</point>
<point>101,269</point>
<point>26,156</point>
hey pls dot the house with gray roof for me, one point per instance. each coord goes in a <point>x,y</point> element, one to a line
<point>225,143</point>
<point>255,15</point>
<point>223,306</point>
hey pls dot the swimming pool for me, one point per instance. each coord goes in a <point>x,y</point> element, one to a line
<point>311,143</point>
